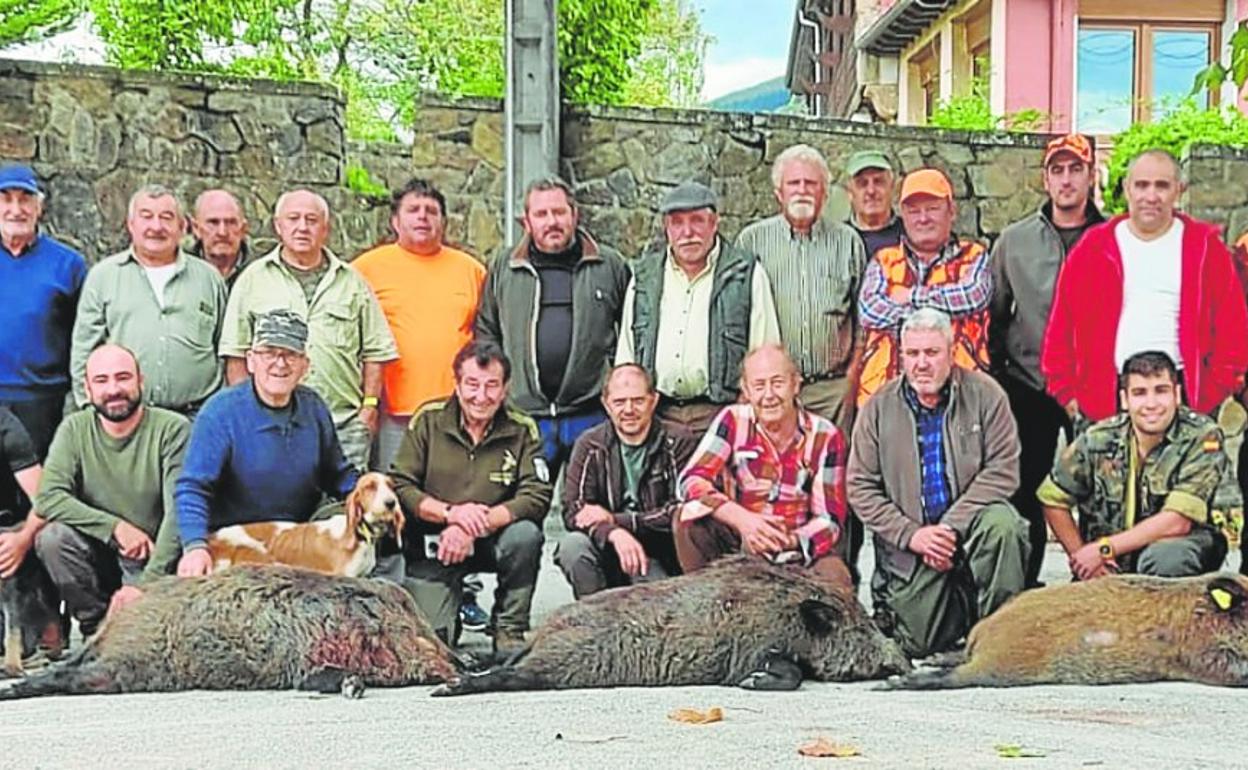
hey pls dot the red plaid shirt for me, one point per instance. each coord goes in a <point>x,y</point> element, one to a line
<point>804,485</point>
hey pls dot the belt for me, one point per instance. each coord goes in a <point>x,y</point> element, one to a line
<point>666,400</point>
<point>810,379</point>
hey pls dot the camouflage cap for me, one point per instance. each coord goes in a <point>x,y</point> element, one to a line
<point>280,329</point>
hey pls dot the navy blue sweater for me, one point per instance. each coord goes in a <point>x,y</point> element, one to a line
<point>247,462</point>
<point>39,294</point>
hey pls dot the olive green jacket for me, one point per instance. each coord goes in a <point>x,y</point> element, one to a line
<point>438,457</point>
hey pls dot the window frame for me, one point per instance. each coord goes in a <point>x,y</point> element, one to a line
<point>1142,95</point>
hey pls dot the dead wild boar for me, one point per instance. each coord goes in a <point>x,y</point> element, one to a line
<point>1112,630</point>
<point>253,628</point>
<point>740,621</point>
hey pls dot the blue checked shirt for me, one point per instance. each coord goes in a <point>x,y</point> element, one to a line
<point>929,427</point>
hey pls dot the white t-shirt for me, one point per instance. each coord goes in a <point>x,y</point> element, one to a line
<point>159,278</point>
<point>1152,281</point>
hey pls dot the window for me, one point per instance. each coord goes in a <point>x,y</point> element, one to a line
<point>925,75</point>
<point>1129,72</point>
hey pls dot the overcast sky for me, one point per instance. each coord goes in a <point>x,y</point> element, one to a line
<point>751,42</point>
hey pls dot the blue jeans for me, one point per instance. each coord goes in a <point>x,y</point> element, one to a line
<point>560,433</point>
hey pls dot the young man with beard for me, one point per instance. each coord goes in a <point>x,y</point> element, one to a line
<point>552,302</point>
<point>1025,263</point>
<point>1144,481</point>
<point>107,491</point>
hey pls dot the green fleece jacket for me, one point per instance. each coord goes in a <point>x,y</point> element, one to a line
<point>91,480</point>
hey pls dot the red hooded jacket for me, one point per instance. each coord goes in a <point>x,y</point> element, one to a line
<point>1078,355</point>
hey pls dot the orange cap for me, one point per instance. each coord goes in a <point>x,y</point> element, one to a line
<point>926,181</point>
<point>1076,144</point>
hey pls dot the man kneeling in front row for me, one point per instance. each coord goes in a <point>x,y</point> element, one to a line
<point>1144,481</point>
<point>473,482</point>
<point>619,492</point>
<point>933,462</point>
<point>768,478</point>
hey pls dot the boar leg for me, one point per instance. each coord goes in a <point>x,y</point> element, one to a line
<point>775,672</point>
<point>324,680</point>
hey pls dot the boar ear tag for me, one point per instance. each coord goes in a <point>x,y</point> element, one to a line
<point>820,617</point>
<point>1226,594</point>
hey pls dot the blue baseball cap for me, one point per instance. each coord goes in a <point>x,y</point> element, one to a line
<point>19,178</point>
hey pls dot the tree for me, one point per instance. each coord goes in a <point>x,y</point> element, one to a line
<point>383,53</point>
<point>23,21</point>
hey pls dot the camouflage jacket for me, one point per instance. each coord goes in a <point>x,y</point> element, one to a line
<point>1189,473</point>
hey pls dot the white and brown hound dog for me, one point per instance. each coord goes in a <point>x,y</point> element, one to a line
<point>339,545</point>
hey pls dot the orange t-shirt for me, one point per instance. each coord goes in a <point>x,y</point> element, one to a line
<point>430,303</point>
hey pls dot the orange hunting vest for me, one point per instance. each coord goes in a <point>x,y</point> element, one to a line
<point>880,361</point>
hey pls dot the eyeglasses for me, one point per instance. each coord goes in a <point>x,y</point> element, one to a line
<point>270,355</point>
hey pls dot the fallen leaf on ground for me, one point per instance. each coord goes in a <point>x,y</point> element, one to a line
<point>822,747</point>
<point>695,717</point>
<point>1014,751</point>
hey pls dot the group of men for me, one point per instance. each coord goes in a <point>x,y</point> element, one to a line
<point>775,394</point>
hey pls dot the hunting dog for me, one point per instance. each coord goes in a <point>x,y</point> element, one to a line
<point>30,605</point>
<point>340,545</point>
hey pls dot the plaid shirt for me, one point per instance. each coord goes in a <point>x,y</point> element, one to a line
<point>970,295</point>
<point>930,431</point>
<point>804,485</point>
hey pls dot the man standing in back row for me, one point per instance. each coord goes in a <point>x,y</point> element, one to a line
<point>552,302</point>
<point>1025,263</point>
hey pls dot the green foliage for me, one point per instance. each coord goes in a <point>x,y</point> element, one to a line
<point>362,182</point>
<point>22,21</point>
<point>973,112</point>
<point>383,53</point>
<point>1184,125</point>
<point>1212,77</point>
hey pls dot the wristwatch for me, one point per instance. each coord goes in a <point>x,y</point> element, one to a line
<point>1105,548</point>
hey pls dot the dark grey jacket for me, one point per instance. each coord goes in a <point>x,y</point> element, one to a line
<point>1025,262</point>
<point>510,302</point>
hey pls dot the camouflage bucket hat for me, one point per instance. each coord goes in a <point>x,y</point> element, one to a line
<point>280,329</point>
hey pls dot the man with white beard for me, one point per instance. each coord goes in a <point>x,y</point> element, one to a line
<point>815,267</point>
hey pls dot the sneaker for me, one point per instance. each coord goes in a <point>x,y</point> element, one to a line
<point>472,617</point>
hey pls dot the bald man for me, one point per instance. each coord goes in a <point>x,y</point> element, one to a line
<point>220,229</point>
<point>786,501</point>
<point>107,491</point>
<point>348,338</point>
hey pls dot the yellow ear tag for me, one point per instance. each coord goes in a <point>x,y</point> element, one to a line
<point>1222,598</point>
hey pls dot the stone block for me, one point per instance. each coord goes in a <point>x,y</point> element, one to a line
<point>738,157</point>
<point>679,162</point>
<point>487,142</point>
<point>221,132</point>
<point>624,185</point>
<point>995,181</point>
<point>17,143</point>
<point>595,192</point>
<point>602,161</point>
<point>325,136</point>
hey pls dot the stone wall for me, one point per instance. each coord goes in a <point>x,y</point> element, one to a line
<point>1217,187</point>
<point>623,160</point>
<point>94,134</point>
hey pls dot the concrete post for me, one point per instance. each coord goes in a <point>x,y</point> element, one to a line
<point>531,102</point>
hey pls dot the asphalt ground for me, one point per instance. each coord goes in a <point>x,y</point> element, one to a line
<point>1172,725</point>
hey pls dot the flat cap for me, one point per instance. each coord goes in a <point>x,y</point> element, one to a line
<point>689,197</point>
